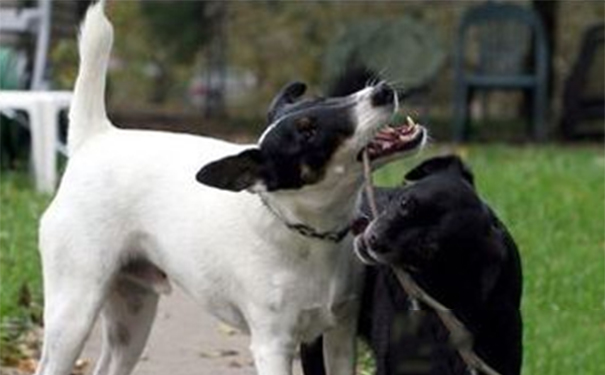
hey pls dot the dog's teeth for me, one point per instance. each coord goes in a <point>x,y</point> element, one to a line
<point>411,122</point>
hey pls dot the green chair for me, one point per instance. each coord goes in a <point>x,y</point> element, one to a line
<point>584,89</point>
<point>504,35</point>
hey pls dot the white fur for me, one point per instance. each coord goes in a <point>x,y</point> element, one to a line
<point>88,106</point>
<point>132,194</point>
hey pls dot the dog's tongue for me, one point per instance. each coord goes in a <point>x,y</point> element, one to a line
<point>391,138</point>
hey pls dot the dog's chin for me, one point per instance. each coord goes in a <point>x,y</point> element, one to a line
<point>369,257</point>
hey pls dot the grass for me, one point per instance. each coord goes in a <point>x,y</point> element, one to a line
<point>551,197</point>
<point>20,278</point>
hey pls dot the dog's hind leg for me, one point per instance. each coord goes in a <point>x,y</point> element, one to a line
<point>71,307</point>
<point>77,275</point>
<point>127,318</point>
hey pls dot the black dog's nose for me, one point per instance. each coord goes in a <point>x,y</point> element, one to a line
<point>374,243</point>
<point>383,95</point>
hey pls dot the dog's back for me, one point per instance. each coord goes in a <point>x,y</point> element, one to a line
<point>123,188</point>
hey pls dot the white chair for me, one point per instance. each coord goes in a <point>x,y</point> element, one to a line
<point>42,107</point>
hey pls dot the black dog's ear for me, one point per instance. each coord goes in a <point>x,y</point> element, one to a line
<point>440,164</point>
<point>287,95</point>
<point>234,173</point>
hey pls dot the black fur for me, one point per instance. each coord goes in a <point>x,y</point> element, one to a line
<point>303,141</point>
<point>462,254</point>
<point>353,79</point>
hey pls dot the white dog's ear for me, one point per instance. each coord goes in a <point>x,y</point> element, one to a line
<point>288,95</point>
<point>234,173</point>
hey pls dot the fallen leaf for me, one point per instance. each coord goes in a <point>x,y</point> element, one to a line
<point>220,353</point>
<point>27,365</point>
<point>235,364</point>
<point>80,367</point>
<point>227,330</point>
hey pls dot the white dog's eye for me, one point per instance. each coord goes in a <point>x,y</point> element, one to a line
<point>306,127</point>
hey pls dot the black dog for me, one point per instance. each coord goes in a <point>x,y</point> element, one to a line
<point>455,247</point>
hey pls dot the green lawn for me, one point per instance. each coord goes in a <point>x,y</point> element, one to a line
<point>552,199</point>
<point>20,278</point>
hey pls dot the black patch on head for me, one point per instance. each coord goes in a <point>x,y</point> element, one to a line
<point>299,147</point>
<point>352,80</point>
<point>301,140</point>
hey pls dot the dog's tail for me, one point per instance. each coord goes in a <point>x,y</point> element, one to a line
<point>87,115</point>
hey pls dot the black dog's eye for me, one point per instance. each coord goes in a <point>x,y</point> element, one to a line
<point>405,206</point>
<point>306,127</point>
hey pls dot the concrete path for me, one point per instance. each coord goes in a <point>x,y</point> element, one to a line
<point>187,341</point>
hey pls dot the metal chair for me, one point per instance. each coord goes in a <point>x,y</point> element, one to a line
<point>504,34</point>
<point>34,22</point>
<point>41,106</point>
<point>584,92</point>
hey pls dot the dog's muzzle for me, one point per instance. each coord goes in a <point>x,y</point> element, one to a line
<point>362,251</point>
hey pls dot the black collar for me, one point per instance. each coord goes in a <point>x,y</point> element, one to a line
<point>306,230</point>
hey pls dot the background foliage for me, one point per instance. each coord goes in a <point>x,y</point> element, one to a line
<point>281,41</point>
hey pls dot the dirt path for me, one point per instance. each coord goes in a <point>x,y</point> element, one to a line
<point>187,341</point>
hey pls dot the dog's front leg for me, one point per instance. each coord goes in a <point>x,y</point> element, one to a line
<point>272,355</point>
<point>340,347</point>
<point>272,343</point>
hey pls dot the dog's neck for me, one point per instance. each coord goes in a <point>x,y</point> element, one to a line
<point>321,211</point>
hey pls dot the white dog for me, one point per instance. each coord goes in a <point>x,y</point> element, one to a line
<point>261,239</point>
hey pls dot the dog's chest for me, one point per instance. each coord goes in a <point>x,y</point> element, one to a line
<point>318,293</point>
<point>312,322</point>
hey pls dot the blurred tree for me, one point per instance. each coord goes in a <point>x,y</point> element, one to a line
<point>179,27</point>
<point>179,30</point>
<point>284,41</point>
<point>404,51</point>
<point>216,57</point>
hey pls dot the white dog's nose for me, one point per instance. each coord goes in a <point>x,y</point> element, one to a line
<point>382,95</point>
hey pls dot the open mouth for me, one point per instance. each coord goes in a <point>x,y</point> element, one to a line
<point>394,138</point>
